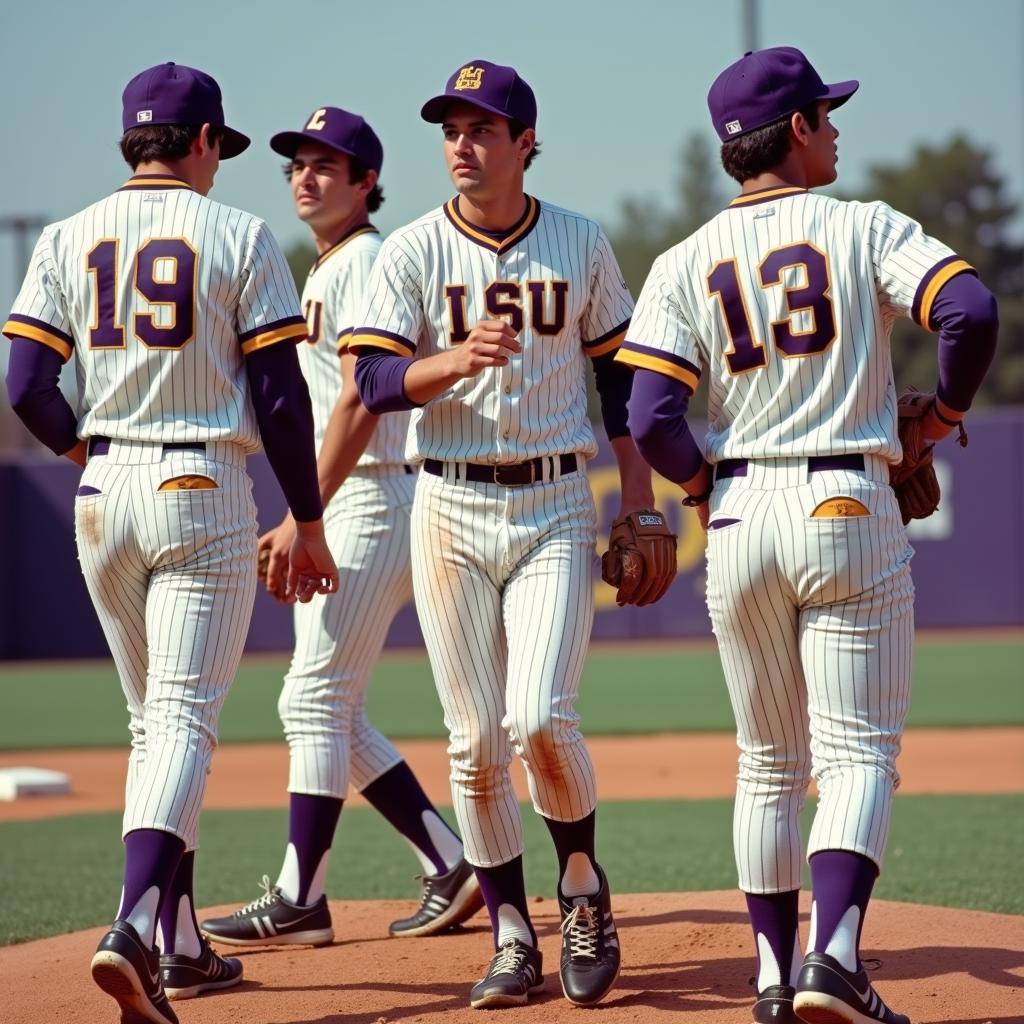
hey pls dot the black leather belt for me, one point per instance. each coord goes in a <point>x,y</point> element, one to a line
<point>517,474</point>
<point>101,445</point>
<point>815,464</point>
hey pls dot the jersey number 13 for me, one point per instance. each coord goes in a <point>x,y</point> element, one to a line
<point>811,296</point>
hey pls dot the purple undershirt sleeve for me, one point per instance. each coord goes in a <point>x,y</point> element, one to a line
<point>284,413</point>
<point>968,321</point>
<point>614,381</point>
<point>380,380</point>
<point>657,420</point>
<point>33,375</point>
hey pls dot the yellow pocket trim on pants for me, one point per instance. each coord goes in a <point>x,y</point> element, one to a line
<point>189,482</point>
<point>840,508</point>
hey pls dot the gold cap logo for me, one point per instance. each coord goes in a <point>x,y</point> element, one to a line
<point>317,122</point>
<point>469,78</point>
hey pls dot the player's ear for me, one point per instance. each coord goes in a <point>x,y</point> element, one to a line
<point>202,141</point>
<point>367,183</point>
<point>526,141</point>
<point>799,129</point>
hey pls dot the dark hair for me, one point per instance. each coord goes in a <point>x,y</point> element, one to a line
<point>163,142</point>
<point>763,148</point>
<point>515,129</point>
<point>357,170</point>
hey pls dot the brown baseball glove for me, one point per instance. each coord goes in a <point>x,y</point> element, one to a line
<point>641,558</point>
<point>914,480</point>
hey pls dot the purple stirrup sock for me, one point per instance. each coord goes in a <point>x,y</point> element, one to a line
<point>504,884</point>
<point>180,886</point>
<point>572,837</point>
<point>776,916</point>
<point>398,796</point>
<point>311,824</point>
<point>151,858</point>
<point>840,880</point>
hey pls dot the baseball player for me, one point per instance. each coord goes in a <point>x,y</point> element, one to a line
<point>183,316</point>
<point>366,486</point>
<point>785,302</point>
<point>501,298</point>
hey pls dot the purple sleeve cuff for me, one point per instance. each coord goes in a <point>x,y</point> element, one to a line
<point>613,381</point>
<point>280,399</point>
<point>968,321</point>
<point>657,420</point>
<point>380,379</point>
<point>33,373</point>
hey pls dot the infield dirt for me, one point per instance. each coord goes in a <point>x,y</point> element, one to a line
<point>686,957</point>
<point>695,765</point>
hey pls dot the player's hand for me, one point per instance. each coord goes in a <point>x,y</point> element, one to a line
<point>274,551</point>
<point>311,568</point>
<point>490,343</point>
<point>702,515</point>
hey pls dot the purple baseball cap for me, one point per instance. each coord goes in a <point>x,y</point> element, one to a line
<point>336,129</point>
<point>766,85</point>
<point>493,87</point>
<point>176,94</point>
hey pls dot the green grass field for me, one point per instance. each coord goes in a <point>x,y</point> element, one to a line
<point>64,874</point>
<point>971,683</point>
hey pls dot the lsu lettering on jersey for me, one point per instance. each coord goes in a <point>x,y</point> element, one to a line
<point>160,293</point>
<point>552,276</point>
<point>332,301</point>
<point>787,299</point>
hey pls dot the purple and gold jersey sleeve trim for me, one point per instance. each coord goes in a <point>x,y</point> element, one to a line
<point>931,284</point>
<point>765,195</point>
<point>345,339</point>
<point>496,243</point>
<point>373,337</point>
<point>645,358</point>
<point>148,182</point>
<point>608,342</point>
<point>362,229</point>
<point>292,328</point>
<point>20,326</point>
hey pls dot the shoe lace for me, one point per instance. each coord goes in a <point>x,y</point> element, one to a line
<point>508,959</point>
<point>581,928</point>
<point>268,897</point>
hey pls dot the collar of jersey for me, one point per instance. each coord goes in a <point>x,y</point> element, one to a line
<point>361,229</point>
<point>764,195</point>
<point>149,182</point>
<point>498,245</point>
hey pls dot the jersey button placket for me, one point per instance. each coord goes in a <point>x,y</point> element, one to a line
<point>505,378</point>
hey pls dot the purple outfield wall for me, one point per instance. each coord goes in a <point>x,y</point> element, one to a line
<point>969,566</point>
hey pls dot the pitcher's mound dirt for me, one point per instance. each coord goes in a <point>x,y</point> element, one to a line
<point>687,957</point>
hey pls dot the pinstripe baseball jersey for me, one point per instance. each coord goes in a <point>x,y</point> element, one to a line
<point>788,299</point>
<point>160,292</point>
<point>332,300</point>
<point>552,276</point>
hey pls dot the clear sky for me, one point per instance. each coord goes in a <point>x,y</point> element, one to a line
<point>619,86</point>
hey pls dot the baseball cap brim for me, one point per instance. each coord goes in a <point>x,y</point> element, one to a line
<point>840,92</point>
<point>232,143</point>
<point>287,143</point>
<point>433,110</point>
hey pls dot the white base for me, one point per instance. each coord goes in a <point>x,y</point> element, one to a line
<point>16,783</point>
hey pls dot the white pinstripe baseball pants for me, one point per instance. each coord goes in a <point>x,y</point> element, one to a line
<point>814,621</point>
<point>172,575</point>
<point>504,595</point>
<point>339,637</point>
